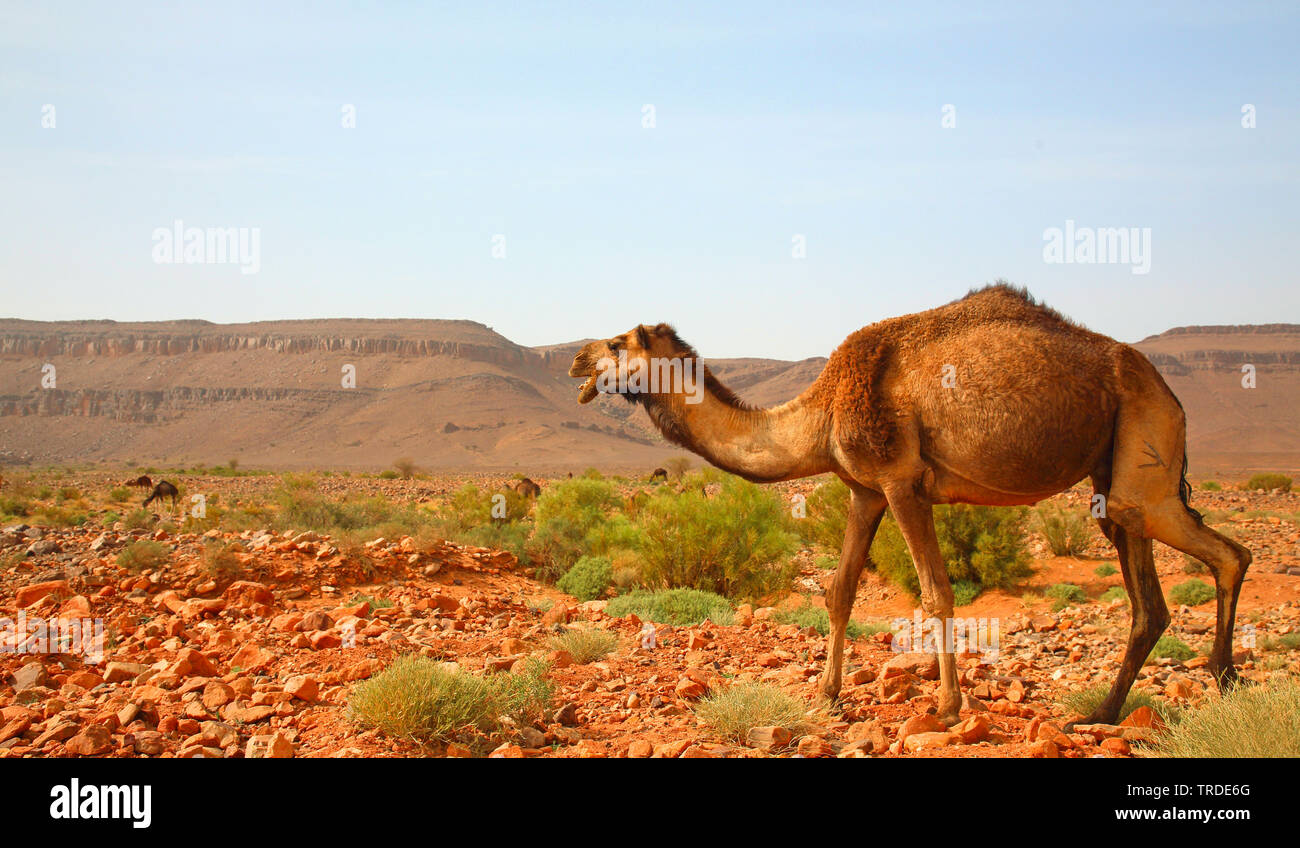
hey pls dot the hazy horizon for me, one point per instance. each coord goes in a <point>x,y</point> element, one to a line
<point>806,171</point>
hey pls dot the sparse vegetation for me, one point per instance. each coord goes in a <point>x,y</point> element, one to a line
<point>672,606</point>
<point>143,555</point>
<point>733,711</point>
<point>734,544</point>
<point>809,614</point>
<point>1269,482</point>
<point>980,545</point>
<point>1172,648</point>
<point>405,466</point>
<point>1084,701</point>
<point>589,578</point>
<point>585,645</point>
<point>421,699</point>
<point>1067,533</point>
<point>677,467</point>
<point>1114,593</point>
<point>1191,593</point>
<point>1065,594</point>
<point>1251,721</point>
<point>1106,569</point>
<point>221,560</point>
<point>1211,486</point>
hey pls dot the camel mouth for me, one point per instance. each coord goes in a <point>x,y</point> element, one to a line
<point>587,391</point>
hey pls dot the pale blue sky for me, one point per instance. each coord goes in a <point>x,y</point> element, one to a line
<point>771,120</point>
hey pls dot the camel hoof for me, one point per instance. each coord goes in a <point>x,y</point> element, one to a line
<point>1097,716</point>
<point>950,719</point>
<point>1227,679</point>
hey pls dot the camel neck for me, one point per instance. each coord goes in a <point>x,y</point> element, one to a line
<point>764,445</point>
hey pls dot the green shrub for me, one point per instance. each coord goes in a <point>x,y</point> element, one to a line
<point>1066,594</point>
<point>1067,533</point>
<point>965,592</point>
<point>1114,593</point>
<point>469,507</point>
<point>678,607</point>
<point>981,545</point>
<point>1084,701</point>
<point>827,515</point>
<point>1251,721</point>
<point>1268,482</point>
<point>1192,593</point>
<point>142,555</point>
<point>734,544</point>
<point>1211,486</point>
<point>584,645</point>
<point>1173,648</point>
<point>419,698</point>
<point>588,579</point>
<point>731,712</point>
<point>387,474</point>
<point>17,507</point>
<point>221,559</point>
<point>809,614</point>
<point>1105,570</point>
<point>119,494</point>
<point>137,519</point>
<point>564,516</point>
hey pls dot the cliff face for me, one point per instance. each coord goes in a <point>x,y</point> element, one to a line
<point>446,393</point>
<point>1235,424</point>
<point>455,394</point>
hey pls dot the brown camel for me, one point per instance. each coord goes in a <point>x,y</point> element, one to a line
<point>162,490</point>
<point>525,487</point>
<point>659,475</point>
<point>992,399</point>
<point>143,482</point>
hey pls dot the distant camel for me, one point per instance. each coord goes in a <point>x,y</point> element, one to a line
<point>992,399</point>
<point>659,474</point>
<point>525,487</point>
<point>142,481</point>
<point>162,490</point>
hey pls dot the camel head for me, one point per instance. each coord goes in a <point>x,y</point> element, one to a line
<point>645,361</point>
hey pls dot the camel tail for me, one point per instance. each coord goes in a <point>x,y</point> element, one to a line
<point>1185,488</point>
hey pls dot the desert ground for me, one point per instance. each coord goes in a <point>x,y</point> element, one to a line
<point>244,636</point>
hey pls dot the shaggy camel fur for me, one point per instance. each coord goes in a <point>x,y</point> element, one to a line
<point>993,399</point>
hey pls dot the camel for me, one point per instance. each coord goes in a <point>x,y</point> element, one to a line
<point>659,475</point>
<point>992,399</point>
<point>162,490</point>
<point>143,482</point>
<point>525,487</point>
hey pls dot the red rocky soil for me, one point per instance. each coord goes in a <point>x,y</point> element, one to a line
<point>258,665</point>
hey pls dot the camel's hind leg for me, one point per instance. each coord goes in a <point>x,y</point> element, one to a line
<point>1173,524</point>
<point>1150,615</point>
<point>865,511</point>
<point>1147,499</point>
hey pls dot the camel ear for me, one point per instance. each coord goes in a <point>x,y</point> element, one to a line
<point>642,337</point>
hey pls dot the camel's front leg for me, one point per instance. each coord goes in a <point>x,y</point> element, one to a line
<point>865,511</point>
<point>915,519</point>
